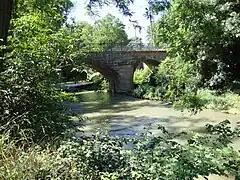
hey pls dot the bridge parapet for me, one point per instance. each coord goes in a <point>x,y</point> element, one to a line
<point>113,52</point>
<point>134,47</point>
<point>108,47</point>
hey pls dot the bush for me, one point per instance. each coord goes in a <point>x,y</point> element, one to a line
<point>103,157</point>
<point>150,92</point>
<point>174,78</point>
<point>100,81</point>
<point>142,76</point>
<point>30,108</point>
<point>228,101</point>
<point>176,81</point>
<point>140,91</point>
<point>32,112</point>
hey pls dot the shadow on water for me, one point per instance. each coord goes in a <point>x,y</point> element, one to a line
<point>127,116</point>
<point>91,101</point>
<point>132,125</point>
<point>101,102</point>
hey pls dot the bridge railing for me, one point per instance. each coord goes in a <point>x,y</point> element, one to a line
<point>105,47</point>
<point>135,47</point>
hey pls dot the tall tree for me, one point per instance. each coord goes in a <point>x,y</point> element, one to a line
<point>206,32</point>
<point>110,30</point>
<point>5,16</point>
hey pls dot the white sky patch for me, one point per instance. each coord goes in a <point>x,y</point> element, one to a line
<point>79,13</point>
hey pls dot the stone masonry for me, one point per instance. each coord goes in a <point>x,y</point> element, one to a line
<point>119,66</point>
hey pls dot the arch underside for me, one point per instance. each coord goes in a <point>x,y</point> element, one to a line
<point>120,73</point>
<point>148,62</point>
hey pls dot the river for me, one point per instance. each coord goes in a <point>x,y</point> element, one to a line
<point>128,116</point>
<point>123,115</point>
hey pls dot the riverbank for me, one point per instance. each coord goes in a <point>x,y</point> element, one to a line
<point>228,102</point>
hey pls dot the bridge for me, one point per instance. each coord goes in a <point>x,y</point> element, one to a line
<point>118,62</point>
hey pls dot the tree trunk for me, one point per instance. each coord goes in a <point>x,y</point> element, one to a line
<point>5,17</point>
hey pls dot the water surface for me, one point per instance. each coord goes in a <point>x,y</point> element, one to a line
<point>128,116</point>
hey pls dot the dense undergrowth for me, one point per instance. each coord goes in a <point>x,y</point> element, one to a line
<point>170,83</point>
<point>210,99</point>
<point>103,157</point>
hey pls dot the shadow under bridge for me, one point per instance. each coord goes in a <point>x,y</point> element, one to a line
<point>117,62</point>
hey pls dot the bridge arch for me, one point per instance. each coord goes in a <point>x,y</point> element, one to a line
<point>125,73</point>
<point>119,65</point>
<point>149,62</point>
<point>109,73</point>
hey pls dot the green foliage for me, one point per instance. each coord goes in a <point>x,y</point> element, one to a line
<point>19,163</point>
<point>100,35</point>
<point>35,113</point>
<point>75,41</point>
<point>42,52</point>
<point>109,30</point>
<point>103,157</point>
<point>228,101</point>
<point>206,33</point>
<point>150,92</point>
<point>175,81</point>
<point>31,109</point>
<point>122,5</point>
<point>99,80</point>
<point>224,131</point>
<point>141,76</point>
<point>178,81</point>
<point>54,11</point>
<point>178,77</point>
<point>202,41</point>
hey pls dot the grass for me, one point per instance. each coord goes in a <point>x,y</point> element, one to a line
<point>16,163</point>
<point>228,102</point>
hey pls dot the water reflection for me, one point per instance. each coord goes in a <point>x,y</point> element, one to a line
<point>127,116</point>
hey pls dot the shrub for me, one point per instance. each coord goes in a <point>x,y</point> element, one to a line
<point>100,81</point>
<point>142,76</point>
<point>228,101</point>
<point>173,80</point>
<point>30,108</point>
<point>103,157</point>
<point>140,91</point>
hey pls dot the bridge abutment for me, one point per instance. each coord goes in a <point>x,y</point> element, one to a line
<point>124,81</point>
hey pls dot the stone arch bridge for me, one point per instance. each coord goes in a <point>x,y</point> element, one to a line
<point>118,63</point>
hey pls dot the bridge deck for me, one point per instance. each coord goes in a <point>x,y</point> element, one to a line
<point>144,51</point>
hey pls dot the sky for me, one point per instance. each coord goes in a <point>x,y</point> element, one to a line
<point>79,13</point>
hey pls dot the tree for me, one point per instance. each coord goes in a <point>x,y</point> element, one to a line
<point>5,16</point>
<point>109,30</point>
<point>80,38</point>
<point>206,33</point>
<point>44,5</point>
<point>21,7</point>
<point>30,106</point>
<point>122,5</point>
